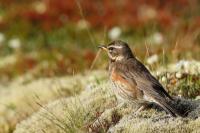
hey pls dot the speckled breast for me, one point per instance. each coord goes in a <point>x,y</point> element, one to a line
<point>122,89</point>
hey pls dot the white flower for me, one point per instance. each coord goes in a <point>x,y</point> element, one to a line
<point>152,59</point>
<point>40,7</point>
<point>158,38</point>
<point>158,73</point>
<point>83,24</point>
<point>168,75</point>
<point>182,64</point>
<point>178,75</point>
<point>147,12</point>
<point>192,67</point>
<point>155,38</point>
<point>163,79</point>
<point>114,33</point>
<point>2,38</point>
<point>14,43</point>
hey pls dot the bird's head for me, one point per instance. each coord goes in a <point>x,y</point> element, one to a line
<point>117,50</point>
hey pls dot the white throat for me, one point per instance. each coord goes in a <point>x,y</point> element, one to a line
<point>119,58</point>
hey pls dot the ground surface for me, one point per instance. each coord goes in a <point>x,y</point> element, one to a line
<point>86,103</point>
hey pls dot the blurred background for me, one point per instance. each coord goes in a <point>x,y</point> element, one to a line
<point>60,37</point>
<point>48,51</point>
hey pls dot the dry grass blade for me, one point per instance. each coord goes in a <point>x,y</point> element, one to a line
<point>147,51</point>
<point>163,56</point>
<point>52,117</point>
<point>148,54</point>
<point>95,59</point>
<point>92,39</point>
<point>176,46</point>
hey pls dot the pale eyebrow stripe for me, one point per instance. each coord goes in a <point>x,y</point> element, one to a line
<point>115,46</point>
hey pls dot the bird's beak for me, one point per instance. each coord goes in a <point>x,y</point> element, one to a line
<point>104,47</point>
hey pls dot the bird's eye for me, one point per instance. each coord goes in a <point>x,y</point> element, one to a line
<point>110,49</point>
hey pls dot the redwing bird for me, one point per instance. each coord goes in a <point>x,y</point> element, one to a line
<point>133,82</point>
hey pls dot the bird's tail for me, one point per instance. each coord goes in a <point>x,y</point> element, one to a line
<point>172,110</point>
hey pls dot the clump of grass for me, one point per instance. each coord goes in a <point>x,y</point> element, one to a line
<point>190,86</point>
<point>70,114</point>
<point>181,84</point>
<point>181,78</point>
<point>19,99</point>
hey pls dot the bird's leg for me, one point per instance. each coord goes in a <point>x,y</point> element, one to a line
<point>142,107</point>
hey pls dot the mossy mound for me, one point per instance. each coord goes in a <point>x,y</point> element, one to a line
<point>20,99</point>
<point>94,111</point>
<point>72,114</point>
<point>151,121</point>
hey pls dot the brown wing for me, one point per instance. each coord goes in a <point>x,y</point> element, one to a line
<point>135,72</point>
